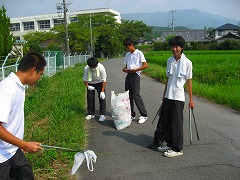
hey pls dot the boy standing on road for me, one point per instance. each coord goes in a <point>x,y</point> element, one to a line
<point>13,163</point>
<point>95,78</point>
<point>134,62</point>
<point>179,71</point>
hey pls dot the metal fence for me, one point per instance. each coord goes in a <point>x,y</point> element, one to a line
<point>8,65</point>
<point>56,61</point>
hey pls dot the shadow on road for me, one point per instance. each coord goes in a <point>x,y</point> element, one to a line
<point>139,140</point>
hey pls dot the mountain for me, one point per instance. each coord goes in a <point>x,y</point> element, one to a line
<point>190,18</point>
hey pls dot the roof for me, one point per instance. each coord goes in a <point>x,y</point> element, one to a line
<point>189,35</point>
<point>228,26</point>
<point>229,36</point>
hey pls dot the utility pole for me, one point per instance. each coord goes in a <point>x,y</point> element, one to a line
<point>91,53</point>
<point>172,24</point>
<point>63,6</point>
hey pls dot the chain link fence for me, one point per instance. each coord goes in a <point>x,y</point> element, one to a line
<point>56,61</point>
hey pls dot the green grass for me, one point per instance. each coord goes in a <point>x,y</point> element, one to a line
<point>216,74</point>
<point>55,111</point>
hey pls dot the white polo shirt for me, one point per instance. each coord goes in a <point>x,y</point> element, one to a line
<point>12,97</point>
<point>96,77</point>
<point>134,60</point>
<point>178,72</point>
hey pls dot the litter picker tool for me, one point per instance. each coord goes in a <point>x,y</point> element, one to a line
<point>158,112</point>
<point>191,114</point>
<point>79,157</point>
<point>61,148</point>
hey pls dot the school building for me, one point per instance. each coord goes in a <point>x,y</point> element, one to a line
<point>22,25</point>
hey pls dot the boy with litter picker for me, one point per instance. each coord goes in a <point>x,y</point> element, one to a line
<point>179,72</point>
<point>95,78</point>
<point>13,163</point>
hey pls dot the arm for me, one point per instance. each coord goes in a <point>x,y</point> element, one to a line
<point>86,84</point>
<point>30,147</point>
<point>165,89</point>
<point>189,87</point>
<point>144,66</point>
<point>104,83</point>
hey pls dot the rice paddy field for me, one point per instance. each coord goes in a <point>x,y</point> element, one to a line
<point>216,74</point>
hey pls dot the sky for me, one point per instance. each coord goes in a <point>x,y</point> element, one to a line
<point>225,8</point>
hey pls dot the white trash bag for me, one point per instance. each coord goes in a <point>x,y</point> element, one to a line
<point>121,110</point>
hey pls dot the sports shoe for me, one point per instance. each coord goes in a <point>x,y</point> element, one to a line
<point>133,117</point>
<point>88,117</point>
<point>164,148</point>
<point>102,118</point>
<point>171,153</point>
<point>142,119</point>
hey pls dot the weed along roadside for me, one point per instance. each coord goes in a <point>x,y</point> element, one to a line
<point>55,110</point>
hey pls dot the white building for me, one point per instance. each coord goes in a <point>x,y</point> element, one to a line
<point>226,29</point>
<point>22,25</point>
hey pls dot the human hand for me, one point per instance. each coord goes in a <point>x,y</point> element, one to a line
<point>102,95</point>
<point>91,88</point>
<point>32,147</point>
<point>190,105</point>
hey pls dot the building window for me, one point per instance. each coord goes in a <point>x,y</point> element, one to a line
<point>15,27</point>
<point>28,25</point>
<point>221,33</point>
<point>44,24</point>
<point>17,38</point>
<point>58,21</point>
<point>74,19</point>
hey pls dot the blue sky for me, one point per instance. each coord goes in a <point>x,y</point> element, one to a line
<point>225,8</point>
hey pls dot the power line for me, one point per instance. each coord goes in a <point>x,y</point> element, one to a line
<point>104,3</point>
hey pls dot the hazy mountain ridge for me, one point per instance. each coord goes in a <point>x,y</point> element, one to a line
<point>190,18</point>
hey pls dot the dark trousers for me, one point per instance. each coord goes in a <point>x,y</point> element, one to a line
<point>17,167</point>
<point>91,100</point>
<point>132,83</point>
<point>173,122</point>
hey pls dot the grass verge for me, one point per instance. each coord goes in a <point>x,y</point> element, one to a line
<point>54,112</point>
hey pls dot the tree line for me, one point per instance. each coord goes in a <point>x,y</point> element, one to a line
<point>107,36</point>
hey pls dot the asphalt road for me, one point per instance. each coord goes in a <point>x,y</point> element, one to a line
<point>124,154</point>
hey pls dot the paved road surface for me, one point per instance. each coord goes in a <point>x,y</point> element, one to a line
<point>124,155</point>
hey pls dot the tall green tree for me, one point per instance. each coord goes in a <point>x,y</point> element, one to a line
<point>107,34</point>
<point>133,29</point>
<point>6,38</point>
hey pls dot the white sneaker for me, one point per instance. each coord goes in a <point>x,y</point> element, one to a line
<point>142,119</point>
<point>88,117</point>
<point>102,118</point>
<point>163,148</point>
<point>171,153</point>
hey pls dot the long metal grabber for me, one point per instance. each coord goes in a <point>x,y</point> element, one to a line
<point>158,112</point>
<point>61,148</point>
<point>195,124</point>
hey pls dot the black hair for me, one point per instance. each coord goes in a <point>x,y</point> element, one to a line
<point>92,62</point>
<point>31,60</point>
<point>128,42</point>
<point>177,41</point>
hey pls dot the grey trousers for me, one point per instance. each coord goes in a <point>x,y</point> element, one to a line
<point>132,83</point>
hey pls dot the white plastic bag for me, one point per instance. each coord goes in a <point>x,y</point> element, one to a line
<point>79,158</point>
<point>121,110</point>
